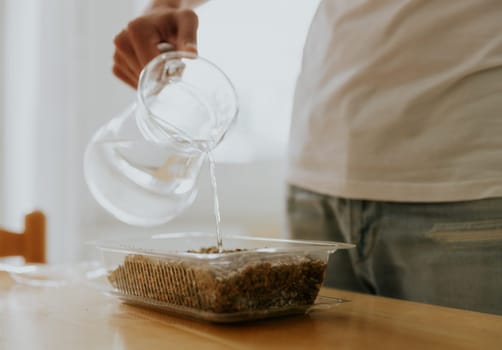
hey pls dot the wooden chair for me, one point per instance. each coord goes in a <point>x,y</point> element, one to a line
<point>29,244</point>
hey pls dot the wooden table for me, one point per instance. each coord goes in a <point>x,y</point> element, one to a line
<point>80,317</point>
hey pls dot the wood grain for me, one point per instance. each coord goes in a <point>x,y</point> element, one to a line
<point>82,317</point>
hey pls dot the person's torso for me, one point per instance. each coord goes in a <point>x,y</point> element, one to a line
<point>401,100</point>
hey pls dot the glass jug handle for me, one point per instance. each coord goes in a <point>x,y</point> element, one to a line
<point>165,47</point>
<point>171,71</point>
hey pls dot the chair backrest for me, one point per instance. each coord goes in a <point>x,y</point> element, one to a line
<point>29,244</point>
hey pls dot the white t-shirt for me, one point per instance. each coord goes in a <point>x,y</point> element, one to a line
<point>401,100</point>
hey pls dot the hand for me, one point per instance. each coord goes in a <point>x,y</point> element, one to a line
<point>137,44</point>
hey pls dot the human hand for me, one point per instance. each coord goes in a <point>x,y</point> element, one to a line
<point>137,44</point>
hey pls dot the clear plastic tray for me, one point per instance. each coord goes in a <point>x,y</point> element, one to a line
<point>322,303</point>
<point>264,278</point>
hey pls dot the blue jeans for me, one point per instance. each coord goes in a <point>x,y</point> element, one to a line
<point>439,253</point>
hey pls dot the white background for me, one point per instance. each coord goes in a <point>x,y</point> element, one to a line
<point>56,89</point>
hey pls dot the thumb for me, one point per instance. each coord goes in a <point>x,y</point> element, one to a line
<point>187,31</point>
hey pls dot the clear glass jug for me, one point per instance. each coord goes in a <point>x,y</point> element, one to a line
<point>143,165</point>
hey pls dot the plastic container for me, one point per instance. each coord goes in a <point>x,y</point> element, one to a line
<point>142,166</point>
<point>258,278</point>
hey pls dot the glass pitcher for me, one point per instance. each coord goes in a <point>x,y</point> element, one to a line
<point>143,165</point>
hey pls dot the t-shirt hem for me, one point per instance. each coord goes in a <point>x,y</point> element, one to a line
<point>453,191</point>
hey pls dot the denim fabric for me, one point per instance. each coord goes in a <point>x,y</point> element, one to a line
<point>439,253</point>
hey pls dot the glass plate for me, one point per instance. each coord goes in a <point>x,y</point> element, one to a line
<point>47,275</point>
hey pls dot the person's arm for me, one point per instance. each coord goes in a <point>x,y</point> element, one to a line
<point>171,21</point>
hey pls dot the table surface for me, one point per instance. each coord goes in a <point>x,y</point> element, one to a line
<point>81,317</point>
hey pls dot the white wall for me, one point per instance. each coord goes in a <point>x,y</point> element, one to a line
<point>57,88</point>
<point>2,92</point>
<point>73,92</point>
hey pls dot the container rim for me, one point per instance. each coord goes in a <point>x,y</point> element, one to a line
<point>182,137</point>
<point>126,245</point>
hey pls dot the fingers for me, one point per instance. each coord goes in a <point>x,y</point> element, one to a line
<point>123,71</point>
<point>124,77</point>
<point>144,36</point>
<point>124,51</point>
<point>126,66</point>
<point>136,45</point>
<point>187,24</point>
